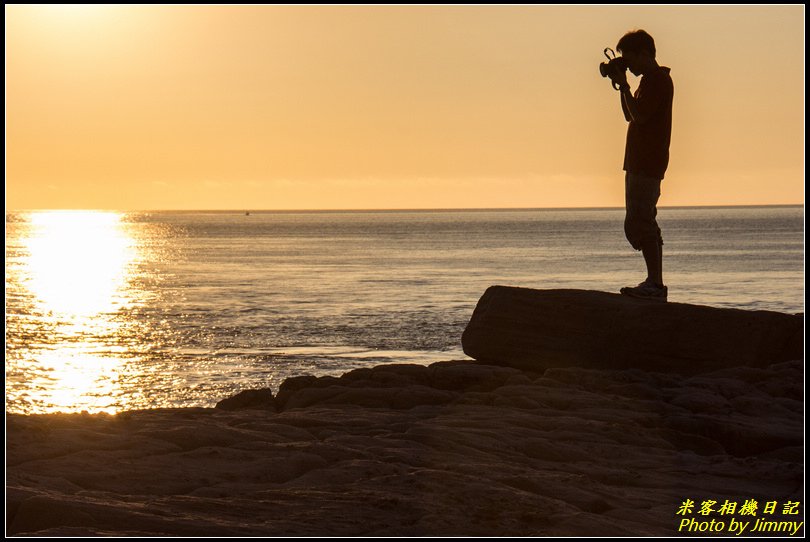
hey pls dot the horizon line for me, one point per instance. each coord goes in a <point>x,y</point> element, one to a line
<point>394,209</point>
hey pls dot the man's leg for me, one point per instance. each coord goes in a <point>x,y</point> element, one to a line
<point>641,228</point>
<point>653,256</point>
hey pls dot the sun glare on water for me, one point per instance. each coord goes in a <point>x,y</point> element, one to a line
<point>74,271</point>
<point>78,262</point>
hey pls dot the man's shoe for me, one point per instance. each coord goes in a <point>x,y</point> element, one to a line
<point>646,290</point>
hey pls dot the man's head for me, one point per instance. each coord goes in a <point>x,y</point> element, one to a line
<point>638,50</point>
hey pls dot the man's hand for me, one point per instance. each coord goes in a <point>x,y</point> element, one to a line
<point>620,79</point>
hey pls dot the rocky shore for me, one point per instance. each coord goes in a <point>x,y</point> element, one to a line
<point>454,448</point>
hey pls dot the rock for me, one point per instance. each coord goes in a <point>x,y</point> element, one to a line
<point>451,449</point>
<point>292,385</point>
<point>261,399</point>
<point>540,329</point>
<point>40,512</point>
<point>466,376</point>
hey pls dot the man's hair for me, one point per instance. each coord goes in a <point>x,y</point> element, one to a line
<point>635,42</point>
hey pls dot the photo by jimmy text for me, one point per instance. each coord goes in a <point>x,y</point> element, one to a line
<point>782,517</point>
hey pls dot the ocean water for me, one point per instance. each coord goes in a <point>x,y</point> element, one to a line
<point>112,311</point>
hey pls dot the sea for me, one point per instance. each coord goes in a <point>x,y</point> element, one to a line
<point>109,311</point>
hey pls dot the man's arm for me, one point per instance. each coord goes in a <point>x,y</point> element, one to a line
<point>625,96</point>
<point>626,112</point>
<point>629,104</point>
<point>649,99</point>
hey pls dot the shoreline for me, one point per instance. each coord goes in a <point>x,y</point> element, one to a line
<point>582,413</point>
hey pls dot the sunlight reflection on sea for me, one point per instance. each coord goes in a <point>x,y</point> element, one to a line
<point>112,311</point>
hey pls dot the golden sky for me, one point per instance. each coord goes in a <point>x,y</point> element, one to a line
<point>385,107</point>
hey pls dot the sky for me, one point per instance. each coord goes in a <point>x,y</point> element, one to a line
<point>389,107</point>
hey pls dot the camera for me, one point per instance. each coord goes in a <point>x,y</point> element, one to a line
<point>613,67</point>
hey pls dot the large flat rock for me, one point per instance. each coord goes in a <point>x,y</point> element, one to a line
<point>541,329</point>
<point>454,449</point>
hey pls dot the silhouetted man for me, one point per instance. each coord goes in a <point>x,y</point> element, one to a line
<point>646,155</point>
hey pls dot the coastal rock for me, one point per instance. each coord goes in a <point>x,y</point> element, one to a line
<point>583,435</point>
<point>452,449</point>
<point>249,399</point>
<point>397,386</point>
<point>540,329</point>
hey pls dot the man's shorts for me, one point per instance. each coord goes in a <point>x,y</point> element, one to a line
<point>641,195</point>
